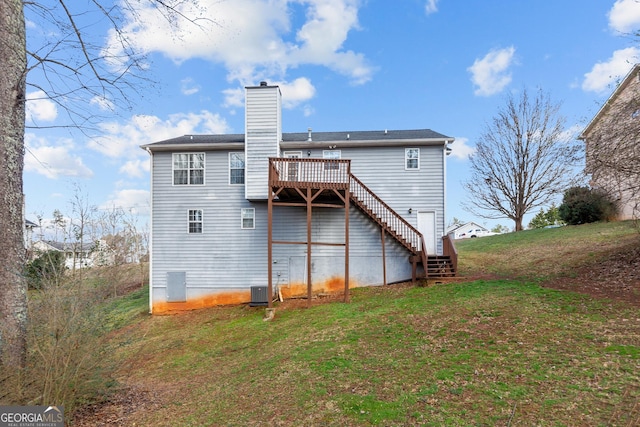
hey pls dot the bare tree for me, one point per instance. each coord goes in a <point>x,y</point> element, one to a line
<point>13,285</point>
<point>523,159</point>
<point>73,70</point>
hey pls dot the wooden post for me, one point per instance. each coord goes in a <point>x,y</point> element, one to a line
<point>384,258</point>
<point>270,248</point>
<point>347,197</point>
<point>309,218</point>
<point>414,268</point>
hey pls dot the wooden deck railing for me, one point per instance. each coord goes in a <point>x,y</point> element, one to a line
<point>313,173</point>
<point>404,232</point>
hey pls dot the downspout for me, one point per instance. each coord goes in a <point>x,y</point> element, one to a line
<point>445,152</point>
<point>149,249</point>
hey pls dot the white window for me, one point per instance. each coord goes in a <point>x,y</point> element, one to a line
<point>195,221</point>
<point>188,169</point>
<point>411,158</point>
<point>236,168</point>
<point>248,218</point>
<point>331,154</point>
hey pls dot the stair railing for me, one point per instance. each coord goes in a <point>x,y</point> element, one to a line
<point>382,213</point>
<point>449,249</point>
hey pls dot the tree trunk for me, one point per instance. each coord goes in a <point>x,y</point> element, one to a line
<point>518,222</point>
<point>13,286</point>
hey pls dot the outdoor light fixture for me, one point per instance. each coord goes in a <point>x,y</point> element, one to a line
<point>410,210</point>
<point>308,152</point>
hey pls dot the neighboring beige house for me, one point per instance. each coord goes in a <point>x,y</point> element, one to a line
<point>611,146</point>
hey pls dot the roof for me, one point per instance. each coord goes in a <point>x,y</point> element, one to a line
<point>454,228</point>
<point>301,139</point>
<point>66,246</point>
<point>634,72</point>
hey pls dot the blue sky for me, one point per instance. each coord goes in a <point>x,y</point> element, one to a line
<point>342,65</point>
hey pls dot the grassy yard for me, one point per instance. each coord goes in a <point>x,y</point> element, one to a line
<point>502,350</point>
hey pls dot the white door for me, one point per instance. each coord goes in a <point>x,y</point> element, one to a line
<point>293,168</point>
<point>427,226</point>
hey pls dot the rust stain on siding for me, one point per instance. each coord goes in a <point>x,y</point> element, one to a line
<point>332,285</point>
<point>212,300</point>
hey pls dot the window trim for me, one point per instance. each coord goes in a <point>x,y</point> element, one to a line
<point>253,218</point>
<point>407,158</point>
<point>244,164</point>
<point>173,169</point>
<point>195,221</point>
<point>293,168</point>
<point>330,155</point>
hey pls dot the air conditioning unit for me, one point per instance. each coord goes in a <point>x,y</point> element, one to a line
<point>259,296</point>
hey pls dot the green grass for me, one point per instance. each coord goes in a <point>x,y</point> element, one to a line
<point>543,254</point>
<point>484,352</point>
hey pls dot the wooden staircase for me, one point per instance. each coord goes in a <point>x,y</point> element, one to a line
<point>435,266</point>
<point>326,182</point>
<point>440,267</point>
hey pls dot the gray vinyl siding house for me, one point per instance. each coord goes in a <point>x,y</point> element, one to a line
<point>210,196</point>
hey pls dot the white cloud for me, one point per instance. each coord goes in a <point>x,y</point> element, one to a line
<point>123,140</point>
<point>103,103</point>
<point>293,93</point>
<point>233,97</point>
<point>624,16</point>
<point>189,87</point>
<point>53,161</point>
<point>296,92</point>
<point>491,73</point>
<point>603,74</point>
<point>252,38</point>
<point>130,200</point>
<point>40,108</point>
<point>308,110</point>
<point>460,149</point>
<point>135,168</point>
<point>431,6</point>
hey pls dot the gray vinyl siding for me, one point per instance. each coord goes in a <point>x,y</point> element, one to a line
<point>382,170</point>
<point>226,258</point>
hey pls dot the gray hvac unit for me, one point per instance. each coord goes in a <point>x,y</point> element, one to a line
<point>259,296</point>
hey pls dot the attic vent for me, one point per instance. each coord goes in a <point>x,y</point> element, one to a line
<point>309,138</point>
<point>259,296</point>
<point>263,84</point>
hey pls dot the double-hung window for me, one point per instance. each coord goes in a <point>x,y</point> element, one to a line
<point>188,168</point>
<point>411,158</point>
<point>236,168</point>
<point>247,218</point>
<point>195,221</point>
<point>331,154</point>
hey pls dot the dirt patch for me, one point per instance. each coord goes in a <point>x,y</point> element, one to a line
<point>615,276</point>
<point>121,408</point>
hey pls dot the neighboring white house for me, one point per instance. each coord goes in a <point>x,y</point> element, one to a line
<point>28,232</point>
<point>291,213</point>
<point>468,230</point>
<point>77,255</point>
